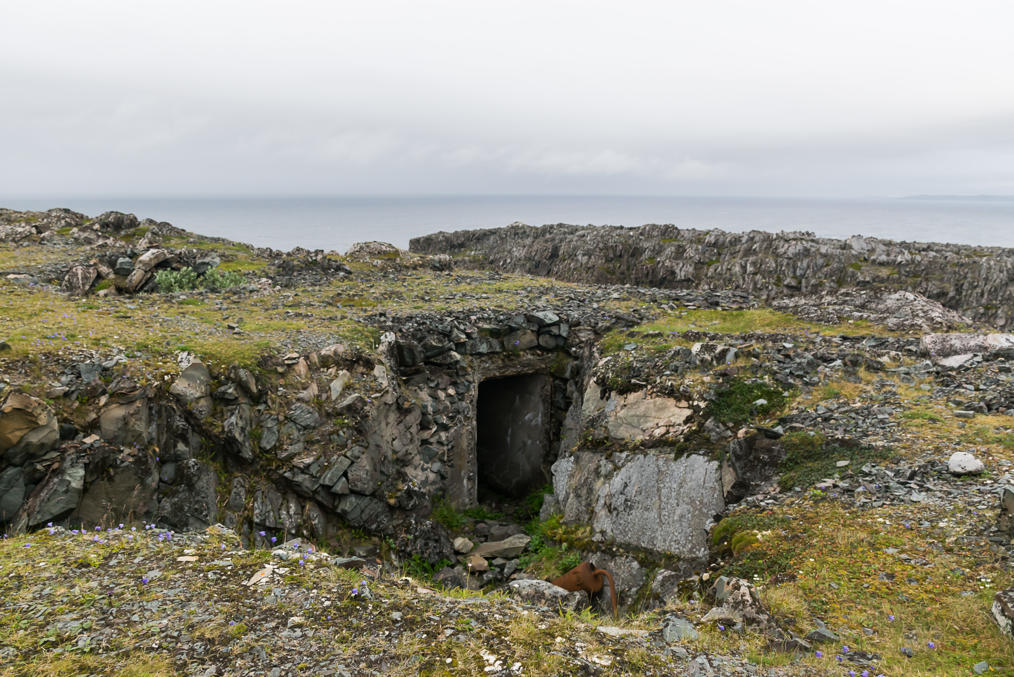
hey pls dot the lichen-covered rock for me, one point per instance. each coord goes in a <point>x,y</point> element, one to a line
<point>116,222</point>
<point>899,311</point>
<point>1003,611</point>
<point>512,546</point>
<point>545,594</point>
<point>79,280</point>
<point>940,346</point>
<point>362,251</point>
<point>737,602</point>
<point>144,267</point>
<point>964,463</point>
<point>636,416</point>
<point>425,539</point>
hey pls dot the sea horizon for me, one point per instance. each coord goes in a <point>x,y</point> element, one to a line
<point>335,222</point>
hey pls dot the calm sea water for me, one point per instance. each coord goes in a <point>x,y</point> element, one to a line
<point>334,223</point>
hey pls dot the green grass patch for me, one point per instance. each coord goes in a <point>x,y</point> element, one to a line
<point>810,458</point>
<point>756,544</point>
<point>740,401</point>
<point>555,547</point>
<point>446,514</point>
<point>667,329</point>
<point>920,414</point>
<point>242,264</point>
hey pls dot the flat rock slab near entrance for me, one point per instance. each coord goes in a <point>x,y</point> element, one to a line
<point>643,500</point>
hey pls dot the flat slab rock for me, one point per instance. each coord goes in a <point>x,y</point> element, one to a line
<point>507,548</point>
<point>614,631</point>
<point>643,500</point>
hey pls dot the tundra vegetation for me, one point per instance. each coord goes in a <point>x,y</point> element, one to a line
<point>909,580</point>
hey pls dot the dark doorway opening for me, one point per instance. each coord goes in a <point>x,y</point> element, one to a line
<point>513,434</point>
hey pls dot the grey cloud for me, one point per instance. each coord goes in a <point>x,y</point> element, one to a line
<point>729,97</point>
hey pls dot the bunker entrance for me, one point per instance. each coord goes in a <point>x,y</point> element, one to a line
<point>513,434</point>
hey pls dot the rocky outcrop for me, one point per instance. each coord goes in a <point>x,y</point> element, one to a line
<point>28,429</point>
<point>16,226</point>
<point>637,416</point>
<point>943,346</point>
<point>974,281</point>
<point>898,311</point>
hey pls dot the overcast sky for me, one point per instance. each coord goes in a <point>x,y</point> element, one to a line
<point>722,97</point>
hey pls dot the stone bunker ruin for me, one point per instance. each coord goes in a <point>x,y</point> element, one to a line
<point>495,392</point>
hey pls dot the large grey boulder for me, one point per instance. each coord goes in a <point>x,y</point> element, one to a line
<point>964,463</point>
<point>365,251</point>
<point>545,594</point>
<point>642,500</point>
<point>116,221</point>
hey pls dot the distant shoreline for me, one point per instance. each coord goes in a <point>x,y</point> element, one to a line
<point>335,223</point>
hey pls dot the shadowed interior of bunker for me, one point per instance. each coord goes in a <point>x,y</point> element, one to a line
<point>514,432</point>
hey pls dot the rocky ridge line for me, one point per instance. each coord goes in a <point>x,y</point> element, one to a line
<point>975,281</point>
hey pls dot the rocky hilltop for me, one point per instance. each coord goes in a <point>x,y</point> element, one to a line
<point>978,282</point>
<point>219,459</point>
